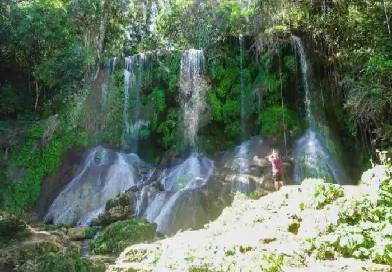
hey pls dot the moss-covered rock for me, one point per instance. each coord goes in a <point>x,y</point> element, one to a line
<point>121,200</point>
<point>116,209</point>
<point>117,236</point>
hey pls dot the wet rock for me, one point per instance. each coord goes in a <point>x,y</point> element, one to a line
<point>117,209</point>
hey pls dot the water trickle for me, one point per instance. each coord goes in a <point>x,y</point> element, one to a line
<point>192,95</point>
<point>315,152</point>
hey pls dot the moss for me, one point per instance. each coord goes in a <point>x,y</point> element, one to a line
<point>38,159</point>
<point>62,262</point>
<point>257,194</point>
<point>121,200</point>
<point>117,236</point>
<point>295,224</point>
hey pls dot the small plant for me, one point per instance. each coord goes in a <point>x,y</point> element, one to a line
<point>295,224</point>
<point>326,193</point>
<point>257,194</point>
<point>271,262</point>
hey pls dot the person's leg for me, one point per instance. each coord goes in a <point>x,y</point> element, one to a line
<point>281,182</point>
<point>276,185</point>
<point>276,181</point>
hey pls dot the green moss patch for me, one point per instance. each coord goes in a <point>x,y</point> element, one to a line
<point>117,236</point>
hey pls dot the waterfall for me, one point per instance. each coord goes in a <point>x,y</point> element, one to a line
<point>192,95</point>
<point>104,175</point>
<point>177,205</point>
<point>133,122</point>
<point>306,79</point>
<point>315,152</point>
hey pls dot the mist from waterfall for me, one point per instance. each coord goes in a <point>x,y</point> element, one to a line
<point>315,152</point>
<point>192,95</point>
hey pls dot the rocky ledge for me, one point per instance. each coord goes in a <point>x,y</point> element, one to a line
<point>272,233</point>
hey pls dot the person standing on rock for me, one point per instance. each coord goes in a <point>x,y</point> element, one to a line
<point>277,169</point>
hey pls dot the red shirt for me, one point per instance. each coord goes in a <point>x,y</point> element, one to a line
<point>277,165</point>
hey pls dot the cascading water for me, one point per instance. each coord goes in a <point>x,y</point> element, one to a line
<point>313,156</point>
<point>105,174</point>
<point>192,95</point>
<point>178,206</point>
<point>133,121</point>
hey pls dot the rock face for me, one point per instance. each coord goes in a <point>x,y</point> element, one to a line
<point>249,231</point>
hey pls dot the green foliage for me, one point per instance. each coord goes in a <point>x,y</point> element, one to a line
<point>257,194</point>
<point>362,230</point>
<point>295,224</point>
<point>271,262</point>
<point>38,159</point>
<point>277,120</point>
<point>91,232</point>
<point>326,193</point>
<point>62,262</point>
<point>117,236</point>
